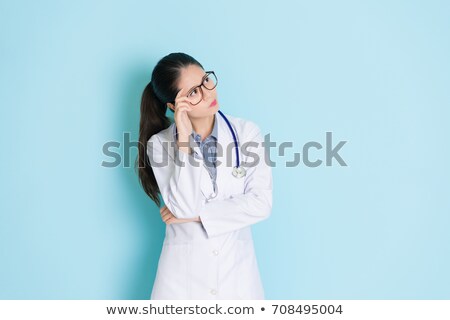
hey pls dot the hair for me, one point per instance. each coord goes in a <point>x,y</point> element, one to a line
<point>161,89</point>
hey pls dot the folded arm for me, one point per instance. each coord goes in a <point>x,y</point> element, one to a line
<point>241,210</point>
<point>180,188</point>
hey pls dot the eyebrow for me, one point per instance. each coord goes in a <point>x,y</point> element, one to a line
<point>197,85</point>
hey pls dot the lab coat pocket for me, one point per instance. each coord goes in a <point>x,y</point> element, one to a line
<point>249,284</point>
<point>172,280</point>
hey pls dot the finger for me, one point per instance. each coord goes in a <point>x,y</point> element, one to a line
<point>169,221</point>
<point>181,98</point>
<point>164,217</point>
<point>174,219</point>
<point>164,210</point>
<point>183,109</point>
<point>183,105</point>
<point>167,217</point>
<point>166,214</point>
<point>179,94</point>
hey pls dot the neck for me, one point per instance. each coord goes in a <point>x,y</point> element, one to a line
<point>203,126</point>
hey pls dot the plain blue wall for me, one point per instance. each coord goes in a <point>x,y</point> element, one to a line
<point>375,74</point>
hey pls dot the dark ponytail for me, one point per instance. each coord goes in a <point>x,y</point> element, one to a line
<point>161,89</point>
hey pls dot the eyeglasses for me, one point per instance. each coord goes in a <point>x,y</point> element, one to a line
<point>195,95</point>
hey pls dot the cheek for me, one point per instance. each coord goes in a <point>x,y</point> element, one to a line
<point>200,108</point>
<point>197,112</point>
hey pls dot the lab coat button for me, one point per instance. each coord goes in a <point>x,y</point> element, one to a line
<point>213,292</point>
<point>215,252</point>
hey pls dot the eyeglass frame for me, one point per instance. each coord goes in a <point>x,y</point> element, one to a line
<point>207,73</point>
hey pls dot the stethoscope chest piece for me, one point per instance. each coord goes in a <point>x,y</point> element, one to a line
<point>239,172</point>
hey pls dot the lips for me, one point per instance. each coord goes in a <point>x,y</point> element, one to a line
<point>213,103</point>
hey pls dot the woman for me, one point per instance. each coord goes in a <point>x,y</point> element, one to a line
<point>208,250</point>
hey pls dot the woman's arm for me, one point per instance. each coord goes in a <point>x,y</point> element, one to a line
<point>178,178</point>
<point>241,210</point>
<point>219,216</point>
<point>168,218</point>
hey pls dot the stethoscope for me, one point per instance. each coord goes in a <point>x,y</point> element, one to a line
<point>238,171</point>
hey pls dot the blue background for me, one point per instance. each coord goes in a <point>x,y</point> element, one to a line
<point>375,74</point>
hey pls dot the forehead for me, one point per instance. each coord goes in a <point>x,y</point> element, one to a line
<point>190,76</point>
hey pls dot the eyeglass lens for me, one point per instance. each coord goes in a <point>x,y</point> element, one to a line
<point>196,95</point>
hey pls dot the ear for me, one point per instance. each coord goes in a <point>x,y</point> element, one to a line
<point>171,106</point>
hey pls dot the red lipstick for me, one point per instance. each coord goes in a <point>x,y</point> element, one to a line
<point>213,103</point>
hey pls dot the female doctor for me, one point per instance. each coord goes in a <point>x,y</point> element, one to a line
<point>211,171</point>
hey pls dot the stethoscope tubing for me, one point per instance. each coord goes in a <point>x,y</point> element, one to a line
<point>234,137</point>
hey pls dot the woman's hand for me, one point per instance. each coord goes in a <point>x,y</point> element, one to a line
<point>182,121</point>
<point>169,218</point>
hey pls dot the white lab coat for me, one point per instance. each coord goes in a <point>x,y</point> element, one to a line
<point>215,258</point>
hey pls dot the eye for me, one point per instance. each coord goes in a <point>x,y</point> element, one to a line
<point>207,79</point>
<point>193,93</point>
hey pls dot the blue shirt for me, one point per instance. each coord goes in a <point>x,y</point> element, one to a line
<point>208,148</point>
